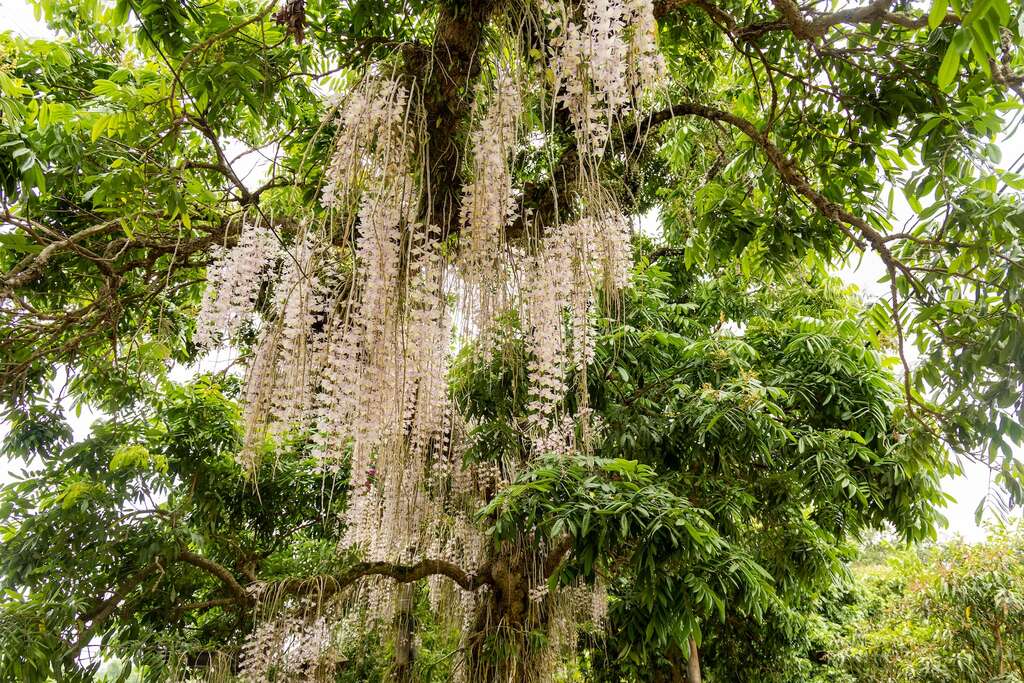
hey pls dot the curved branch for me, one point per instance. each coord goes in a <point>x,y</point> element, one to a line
<point>402,573</point>
<point>211,567</point>
<point>32,266</point>
<point>790,173</point>
<point>105,608</point>
<point>876,11</point>
<point>792,18</point>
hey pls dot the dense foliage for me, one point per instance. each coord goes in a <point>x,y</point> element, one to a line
<point>952,613</point>
<point>635,446</point>
<point>939,613</point>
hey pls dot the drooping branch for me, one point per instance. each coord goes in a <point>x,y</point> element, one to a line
<point>223,165</point>
<point>105,607</point>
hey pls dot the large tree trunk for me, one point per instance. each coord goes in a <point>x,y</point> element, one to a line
<point>448,69</point>
<point>498,648</point>
<point>676,669</point>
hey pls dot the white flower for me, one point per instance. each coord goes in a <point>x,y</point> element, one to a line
<point>234,282</point>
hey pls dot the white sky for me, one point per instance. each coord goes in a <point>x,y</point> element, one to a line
<point>17,16</point>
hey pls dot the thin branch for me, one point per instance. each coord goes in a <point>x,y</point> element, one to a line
<point>221,572</point>
<point>105,607</point>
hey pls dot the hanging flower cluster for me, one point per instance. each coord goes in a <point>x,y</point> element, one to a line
<point>360,375</point>
<point>282,377</point>
<point>558,306</point>
<point>371,124</point>
<point>646,62</point>
<point>355,346</point>
<point>234,281</point>
<point>603,63</point>
<point>299,348</point>
<point>488,204</point>
<point>290,647</point>
<point>546,297</point>
<point>383,401</point>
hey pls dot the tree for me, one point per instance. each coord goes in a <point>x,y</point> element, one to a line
<point>479,171</point>
<point>951,613</point>
<point>785,434</point>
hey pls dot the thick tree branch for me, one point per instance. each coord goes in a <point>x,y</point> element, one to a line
<point>205,605</point>
<point>663,252</point>
<point>402,573</point>
<point>323,586</point>
<point>32,266</point>
<point>105,608</point>
<point>101,611</point>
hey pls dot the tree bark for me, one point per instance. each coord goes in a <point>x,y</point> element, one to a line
<point>405,632</point>
<point>498,648</point>
<point>693,663</point>
<point>447,71</point>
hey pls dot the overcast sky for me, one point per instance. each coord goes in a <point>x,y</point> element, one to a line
<point>17,16</point>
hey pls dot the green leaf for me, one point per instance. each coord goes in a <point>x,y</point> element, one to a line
<point>20,243</point>
<point>938,13</point>
<point>951,61</point>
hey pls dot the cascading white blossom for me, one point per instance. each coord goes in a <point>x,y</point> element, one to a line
<point>391,514</point>
<point>559,305</point>
<point>298,360</point>
<point>646,62</point>
<point>362,359</point>
<point>546,296</point>
<point>602,63</point>
<point>371,127</point>
<point>428,342</point>
<point>281,380</point>
<point>256,395</point>
<point>599,603</point>
<point>233,283</point>
<point>357,400</point>
<point>383,397</point>
<point>290,647</point>
<point>488,204</point>
<point>371,165</point>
